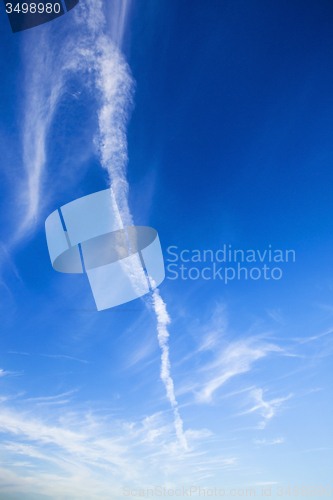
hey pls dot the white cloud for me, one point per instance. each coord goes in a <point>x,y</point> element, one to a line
<point>80,456</point>
<point>267,409</point>
<point>44,87</point>
<point>163,320</point>
<point>269,442</point>
<point>64,356</point>
<point>238,357</point>
<point>214,331</point>
<point>50,356</point>
<point>4,373</point>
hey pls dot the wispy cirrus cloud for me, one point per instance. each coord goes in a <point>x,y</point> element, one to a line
<point>82,456</point>
<point>52,398</point>
<point>55,356</point>
<point>44,87</point>
<point>4,373</point>
<point>267,409</point>
<point>65,357</point>
<point>235,359</point>
<point>268,442</point>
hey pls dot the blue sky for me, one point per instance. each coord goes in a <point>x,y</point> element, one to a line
<point>217,117</point>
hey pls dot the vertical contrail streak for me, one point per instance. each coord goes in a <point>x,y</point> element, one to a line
<point>116,96</point>
<point>163,320</point>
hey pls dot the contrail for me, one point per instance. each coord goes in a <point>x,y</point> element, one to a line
<point>93,52</point>
<point>43,89</point>
<point>163,320</point>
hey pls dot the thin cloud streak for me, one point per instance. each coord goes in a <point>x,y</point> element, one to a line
<point>237,358</point>
<point>163,320</point>
<point>267,409</point>
<point>89,52</point>
<point>44,87</point>
<point>55,356</point>
<point>94,55</point>
<point>52,398</point>
<point>65,357</point>
<point>269,443</point>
